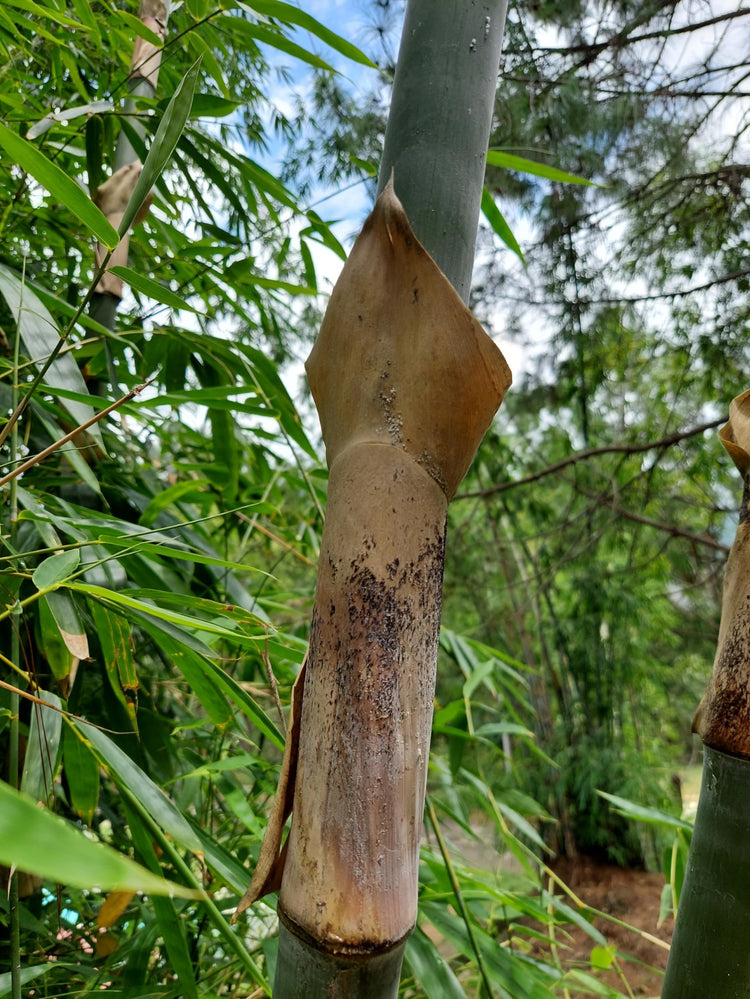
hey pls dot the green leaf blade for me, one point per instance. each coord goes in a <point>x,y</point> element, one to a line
<point>520,164</point>
<point>59,185</point>
<point>54,849</point>
<point>167,136</point>
<point>495,218</point>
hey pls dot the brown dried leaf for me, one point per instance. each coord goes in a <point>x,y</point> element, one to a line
<point>113,907</point>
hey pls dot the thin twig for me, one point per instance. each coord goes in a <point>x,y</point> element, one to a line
<point>594,452</point>
<point>659,525</point>
<point>69,437</point>
<point>274,686</point>
<point>67,714</point>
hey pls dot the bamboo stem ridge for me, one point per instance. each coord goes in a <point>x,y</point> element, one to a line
<point>710,957</point>
<point>406,382</point>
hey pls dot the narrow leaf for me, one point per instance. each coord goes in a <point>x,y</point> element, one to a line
<point>54,849</point>
<point>93,107</point>
<point>27,975</point>
<point>642,813</point>
<point>41,752</point>
<point>152,289</point>
<point>51,642</point>
<point>198,675</point>
<point>293,15</point>
<point>82,773</point>
<point>40,336</point>
<point>114,638</point>
<point>430,968</point>
<point>171,927</point>
<point>66,617</point>
<point>497,158</point>
<point>166,138</point>
<point>59,184</point>
<point>495,218</point>
<point>131,778</point>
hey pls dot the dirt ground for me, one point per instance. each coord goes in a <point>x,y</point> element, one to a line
<point>629,896</point>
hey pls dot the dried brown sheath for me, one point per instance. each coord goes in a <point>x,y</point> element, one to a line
<point>723,717</point>
<point>406,382</point>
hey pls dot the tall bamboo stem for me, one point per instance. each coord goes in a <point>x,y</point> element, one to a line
<point>710,956</point>
<point>439,125</point>
<point>406,382</point>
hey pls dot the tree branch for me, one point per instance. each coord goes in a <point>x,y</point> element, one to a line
<point>594,452</point>
<point>634,299</point>
<point>659,525</point>
<point>621,39</point>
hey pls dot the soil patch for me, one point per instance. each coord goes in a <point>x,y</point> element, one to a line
<point>631,897</point>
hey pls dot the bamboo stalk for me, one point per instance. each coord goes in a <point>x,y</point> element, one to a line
<point>406,382</point>
<point>439,124</point>
<point>710,957</point>
<point>113,195</point>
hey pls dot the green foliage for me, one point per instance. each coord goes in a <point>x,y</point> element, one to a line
<point>157,570</point>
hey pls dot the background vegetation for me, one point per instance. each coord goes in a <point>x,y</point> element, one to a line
<point>157,571</point>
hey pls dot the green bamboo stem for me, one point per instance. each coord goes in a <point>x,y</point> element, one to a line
<point>439,125</point>
<point>15,700</point>
<point>141,83</point>
<point>710,955</point>
<point>305,972</point>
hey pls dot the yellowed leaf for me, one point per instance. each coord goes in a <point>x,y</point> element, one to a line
<point>113,907</point>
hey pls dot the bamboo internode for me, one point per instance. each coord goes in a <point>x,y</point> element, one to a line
<point>406,382</point>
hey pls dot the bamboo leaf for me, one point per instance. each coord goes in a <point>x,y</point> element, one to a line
<point>69,114</point>
<point>163,144</point>
<point>56,568</point>
<point>642,813</point>
<point>496,157</point>
<point>495,218</point>
<point>153,289</point>
<point>257,32</point>
<point>193,667</point>
<point>430,968</point>
<point>173,494</point>
<point>52,643</point>
<point>113,631</point>
<point>150,550</point>
<point>27,975</point>
<point>171,927</point>
<point>41,753</point>
<point>54,849</point>
<point>192,624</point>
<point>132,779</point>
<point>65,613</point>
<point>293,15</point>
<point>40,335</point>
<point>82,774</point>
<point>59,184</point>
<point>136,25</point>
<point>44,11</point>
